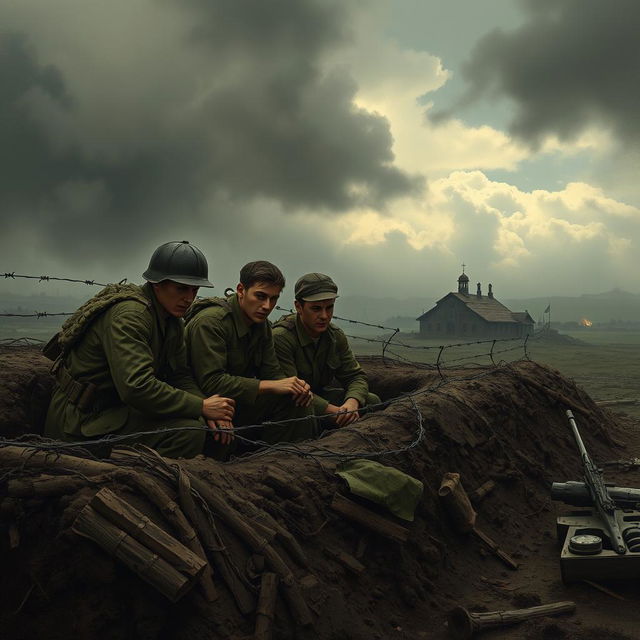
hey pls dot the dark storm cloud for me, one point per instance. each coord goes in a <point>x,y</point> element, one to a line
<point>571,64</point>
<point>268,123</point>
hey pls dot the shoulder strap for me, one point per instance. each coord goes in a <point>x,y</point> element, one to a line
<point>76,325</point>
<point>287,321</point>
<point>203,303</point>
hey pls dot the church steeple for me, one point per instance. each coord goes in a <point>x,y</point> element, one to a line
<point>463,282</point>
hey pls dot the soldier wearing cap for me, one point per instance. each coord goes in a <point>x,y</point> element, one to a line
<point>120,362</point>
<point>230,350</point>
<point>309,346</point>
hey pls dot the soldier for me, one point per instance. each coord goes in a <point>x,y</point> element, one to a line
<point>230,350</point>
<point>310,347</point>
<point>120,362</point>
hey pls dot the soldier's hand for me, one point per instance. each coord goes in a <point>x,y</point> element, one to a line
<point>346,413</point>
<point>303,399</point>
<point>223,430</point>
<point>217,408</point>
<point>293,385</point>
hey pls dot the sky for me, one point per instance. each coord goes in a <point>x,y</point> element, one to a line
<point>385,143</point>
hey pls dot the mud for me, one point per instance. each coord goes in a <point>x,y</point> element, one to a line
<point>504,423</point>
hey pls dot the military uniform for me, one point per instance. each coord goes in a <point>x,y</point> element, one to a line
<point>318,362</point>
<point>229,357</point>
<point>128,373</point>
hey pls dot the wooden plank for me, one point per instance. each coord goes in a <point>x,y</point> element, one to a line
<point>369,519</point>
<point>149,534</point>
<point>144,562</point>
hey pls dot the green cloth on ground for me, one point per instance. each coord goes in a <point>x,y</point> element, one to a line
<point>383,485</point>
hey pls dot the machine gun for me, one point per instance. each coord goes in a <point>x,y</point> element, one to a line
<point>599,493</point>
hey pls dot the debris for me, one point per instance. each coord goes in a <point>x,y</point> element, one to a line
<point>147,564</point>
<point>266,606</point>
<point>463,624</point>
<point>346,560</point>
<point>369,519</point>
<point>600,587</point>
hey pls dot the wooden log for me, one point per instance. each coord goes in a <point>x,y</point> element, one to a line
<point>259,545</point>
<point>145,563</point>
<point>495,549</point>
<point>265,612</point>
<point>149,534</point>
<point>456,502</point>
<point>368,519</point>
<point>172,512</point>
<point>212,543</point>
<point>346,560</point>
<point>48,485</point>
<point>464,624</point>
<point>482,491</point>
<point>284,536</point>
<point>281,485</point>
<point>33,458</point>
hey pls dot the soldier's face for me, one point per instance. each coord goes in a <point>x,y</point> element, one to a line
<point>258,301</point>
<point>174,297</point>
<point>315,316</point>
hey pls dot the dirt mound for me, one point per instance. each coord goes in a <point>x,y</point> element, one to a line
<point>504,424</point>
<point>553,336</point>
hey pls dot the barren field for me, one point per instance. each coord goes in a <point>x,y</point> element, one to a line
<point>605,363</point>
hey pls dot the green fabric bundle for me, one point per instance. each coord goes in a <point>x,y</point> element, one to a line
<point>383,485</point>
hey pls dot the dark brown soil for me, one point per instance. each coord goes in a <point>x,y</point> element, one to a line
<point>505,423</point>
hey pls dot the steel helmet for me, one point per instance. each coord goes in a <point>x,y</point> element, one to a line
<point>180,262</point>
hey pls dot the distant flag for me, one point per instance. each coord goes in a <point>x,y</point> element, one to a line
<point>548,309</point>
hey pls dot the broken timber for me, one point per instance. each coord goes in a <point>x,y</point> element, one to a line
<point>369,519</point>
<point>144,562</point>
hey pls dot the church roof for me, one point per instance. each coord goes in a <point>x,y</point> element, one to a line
<point>489,309</point>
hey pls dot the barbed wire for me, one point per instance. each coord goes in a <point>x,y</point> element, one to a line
<point>36,314</point>
<point>305,450</point>
<point>366,324</point>
<point>23,342</point>
<point>13,275</point>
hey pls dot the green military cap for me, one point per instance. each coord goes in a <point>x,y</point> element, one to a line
<point>383,485</point>
<point>315,286</point>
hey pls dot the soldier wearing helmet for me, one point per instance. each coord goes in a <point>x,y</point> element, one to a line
<point>309,346</point>
<point>120,362</point>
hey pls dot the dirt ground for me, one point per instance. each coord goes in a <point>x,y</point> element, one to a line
<point>504,423</point>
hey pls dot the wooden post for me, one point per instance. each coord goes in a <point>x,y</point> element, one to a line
<point>30,457</point>
<point>346,560</point>
<point>148,565</point>
<point>172,512</point>
<point>212,542</point>
<point>456,502</point>
<point>259,545</point>
<point>266,607</point>
<point>483,490</point>
<point>463,624</point>
<point>149,534</point>
<point>458,506</point>
<point>369,519</point>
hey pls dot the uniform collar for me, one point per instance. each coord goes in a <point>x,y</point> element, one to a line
<point>305,339</point>
<point>163,315</point>
<point>242,328</point>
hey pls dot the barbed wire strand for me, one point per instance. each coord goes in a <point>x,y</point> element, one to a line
<point>304,450</point>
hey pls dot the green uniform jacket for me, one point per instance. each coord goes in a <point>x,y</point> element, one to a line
<point>318,364</point>
<point>226,355</point>
<point>136,356</point>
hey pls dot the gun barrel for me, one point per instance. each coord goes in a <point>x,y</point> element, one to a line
<point>577,494</point>
<point>599,495</point>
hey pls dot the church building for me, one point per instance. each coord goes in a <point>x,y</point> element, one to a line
<point>478,316</point>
